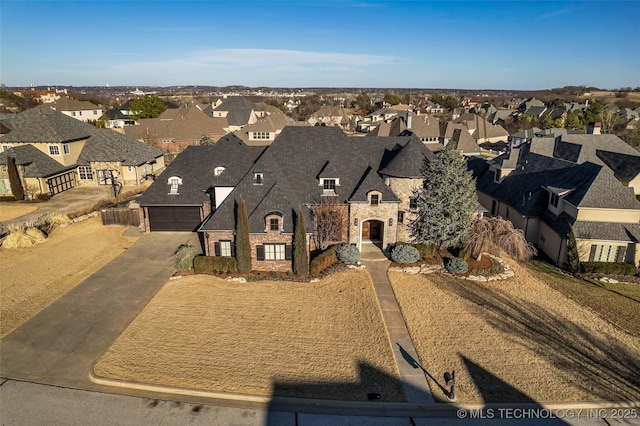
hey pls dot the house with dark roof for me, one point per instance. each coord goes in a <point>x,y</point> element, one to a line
<point>55,152</point>
<point>549,184</point>
<point>368,182</point>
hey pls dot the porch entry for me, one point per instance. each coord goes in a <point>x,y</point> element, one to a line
<point>372,230</point>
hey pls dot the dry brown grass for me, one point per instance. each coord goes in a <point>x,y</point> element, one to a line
<point>516,340</point>
<point>13,211</point>
<point>32,278</point>
<point>319,340</point>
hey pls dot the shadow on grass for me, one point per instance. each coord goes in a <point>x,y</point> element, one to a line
<point>603,367</point>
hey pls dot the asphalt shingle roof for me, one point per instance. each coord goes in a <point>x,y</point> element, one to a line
<point>37,164</point>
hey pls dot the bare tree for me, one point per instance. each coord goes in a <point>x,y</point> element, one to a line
<point>610,120</point>
<point>330,221</point>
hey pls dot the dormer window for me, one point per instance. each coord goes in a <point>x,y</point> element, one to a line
<point>329,185</point>
<point>274,224</point>
<point>218,171</point>
<point>174,182</point>
<point>374,199</point>
<point>554,200</point>
<point>258,178</point>
<point>496,176</point>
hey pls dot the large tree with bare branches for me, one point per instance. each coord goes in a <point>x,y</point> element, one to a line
<point>329,223</point>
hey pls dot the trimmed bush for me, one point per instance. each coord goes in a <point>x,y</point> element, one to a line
<point>323,261</point>
<point>348,254</point>
<point>615,268</point>
<point>214,264</point>
<point>405,254</point>
<point>183,257</point>
<point>456,265</point>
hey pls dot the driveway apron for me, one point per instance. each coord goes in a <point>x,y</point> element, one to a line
<point>59,345</point>
<point>411,374</point>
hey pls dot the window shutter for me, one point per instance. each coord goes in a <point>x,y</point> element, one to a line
<point>233,249</point>
<point>288,252</point>
<point>216,248</point>
<point>260,252</point>
<point>621,252</point>
<point>592,253</point>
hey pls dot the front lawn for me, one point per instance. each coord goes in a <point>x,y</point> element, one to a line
<point>617,303</point>
<point>518,340</point>
<point>313,340</point>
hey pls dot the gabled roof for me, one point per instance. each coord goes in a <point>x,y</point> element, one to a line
<point>407,160</point>
<point>624,166</point>
<point>109,145</point>
<point>196,165</point>
<point>45,125</point>
<point>67,104</point>
<point>36,163</point>
<point>186,123</point>
<point>370,181</point>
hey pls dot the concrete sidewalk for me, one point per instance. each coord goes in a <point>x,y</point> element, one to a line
<point>413,377</point>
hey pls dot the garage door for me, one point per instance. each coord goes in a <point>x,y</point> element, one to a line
<point>61,183</point>
<point>174,218</point>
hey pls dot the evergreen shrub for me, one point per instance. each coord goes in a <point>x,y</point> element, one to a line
<point>348,254</point>
<point>403,253</point>
<point>456,265</point>
<point>616,268</point>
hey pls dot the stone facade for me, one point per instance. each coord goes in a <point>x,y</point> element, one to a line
<point>403,188</point>
<point>385,212</point>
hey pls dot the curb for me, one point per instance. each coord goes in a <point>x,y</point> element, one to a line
<point>357,408</point>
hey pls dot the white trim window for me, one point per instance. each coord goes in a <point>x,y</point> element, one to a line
<point>54,150</point>
<point>175,182</point>
<point>84,172</point>
<point>65,149</point>
<point>225,248</point>
<point>274,251</point>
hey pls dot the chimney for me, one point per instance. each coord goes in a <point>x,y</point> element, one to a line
<point>408,120</point>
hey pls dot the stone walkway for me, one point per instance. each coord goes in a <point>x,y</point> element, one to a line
<point>411,373</point>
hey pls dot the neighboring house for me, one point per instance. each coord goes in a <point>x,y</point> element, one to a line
<point>80,110</point>
<point>548,184</point>
<point>237,110</point>
<point>265,130</point>
<point>116,119</point>
<point>482,130</point>
<point>330,116</point>
<point>369,183</point>
<point>430,131</point>
<point>371,121</point>
<point>178,128</point>
<point>55,153</point>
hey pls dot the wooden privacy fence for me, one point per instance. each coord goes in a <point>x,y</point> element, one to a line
<point>120,217</point>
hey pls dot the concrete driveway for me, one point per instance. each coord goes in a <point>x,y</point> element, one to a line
<point>59,345</point>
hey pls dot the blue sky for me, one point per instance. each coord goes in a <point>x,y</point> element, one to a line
<point>331,43</point>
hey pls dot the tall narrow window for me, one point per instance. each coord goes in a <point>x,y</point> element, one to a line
<point>554,200</point>
<point>375,199</point>
<point>413,203</point>
<point>65,149</point>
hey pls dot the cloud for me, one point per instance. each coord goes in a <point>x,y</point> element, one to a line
<point>253,64</point>
<point>555,13</point>
<point>280,57</point>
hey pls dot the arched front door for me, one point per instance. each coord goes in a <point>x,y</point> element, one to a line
<point>372,230</point>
